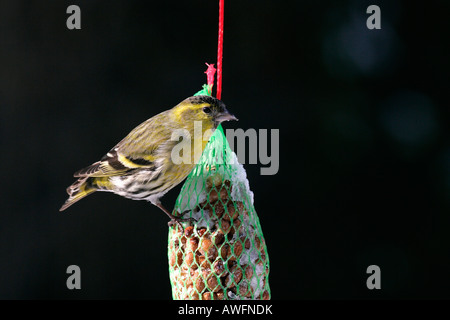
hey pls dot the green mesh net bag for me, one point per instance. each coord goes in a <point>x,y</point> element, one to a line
<point>222,254</point>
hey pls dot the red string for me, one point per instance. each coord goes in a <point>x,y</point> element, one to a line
<point>220,51</point>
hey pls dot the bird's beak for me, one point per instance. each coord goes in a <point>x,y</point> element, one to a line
<point>225,116</point>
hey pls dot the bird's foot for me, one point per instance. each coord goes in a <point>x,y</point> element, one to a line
<point>173,218</point>
<point>178,220</point>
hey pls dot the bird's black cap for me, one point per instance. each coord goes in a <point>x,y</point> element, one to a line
<point>206,99</point>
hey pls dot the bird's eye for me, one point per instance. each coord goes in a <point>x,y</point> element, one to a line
<point>207,110</point>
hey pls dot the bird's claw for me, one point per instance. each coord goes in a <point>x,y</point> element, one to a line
<point>178,221</point>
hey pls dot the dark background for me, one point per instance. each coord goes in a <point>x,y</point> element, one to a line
<point>364,140</point>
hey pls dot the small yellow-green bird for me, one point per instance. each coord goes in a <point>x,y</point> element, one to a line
<point>140,166</point>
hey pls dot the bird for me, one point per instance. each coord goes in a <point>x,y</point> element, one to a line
<point>140,166</point>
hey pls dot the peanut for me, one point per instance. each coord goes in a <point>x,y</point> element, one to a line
<point>232,212</point>
<point>219,210</point>
<point>188,231</point>
<point>244,289</point>
<point>219,295</point>
<point>235,251</point>
<point>219,268</point>
<point>225,226</point>
<point>217,237</point>
<point>212,283</point>
<point>248,272</point>
<point>207,296</point>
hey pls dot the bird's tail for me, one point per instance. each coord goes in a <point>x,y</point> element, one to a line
<point>77,191</point>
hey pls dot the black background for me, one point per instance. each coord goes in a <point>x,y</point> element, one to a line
<point>363,116</point>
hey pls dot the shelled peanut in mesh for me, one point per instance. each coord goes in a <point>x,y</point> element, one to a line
<point>223,254</point>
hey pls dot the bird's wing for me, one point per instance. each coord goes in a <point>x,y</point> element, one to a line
<point>138,150</point>
<point>146,140</point>
<point>114,163</point>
